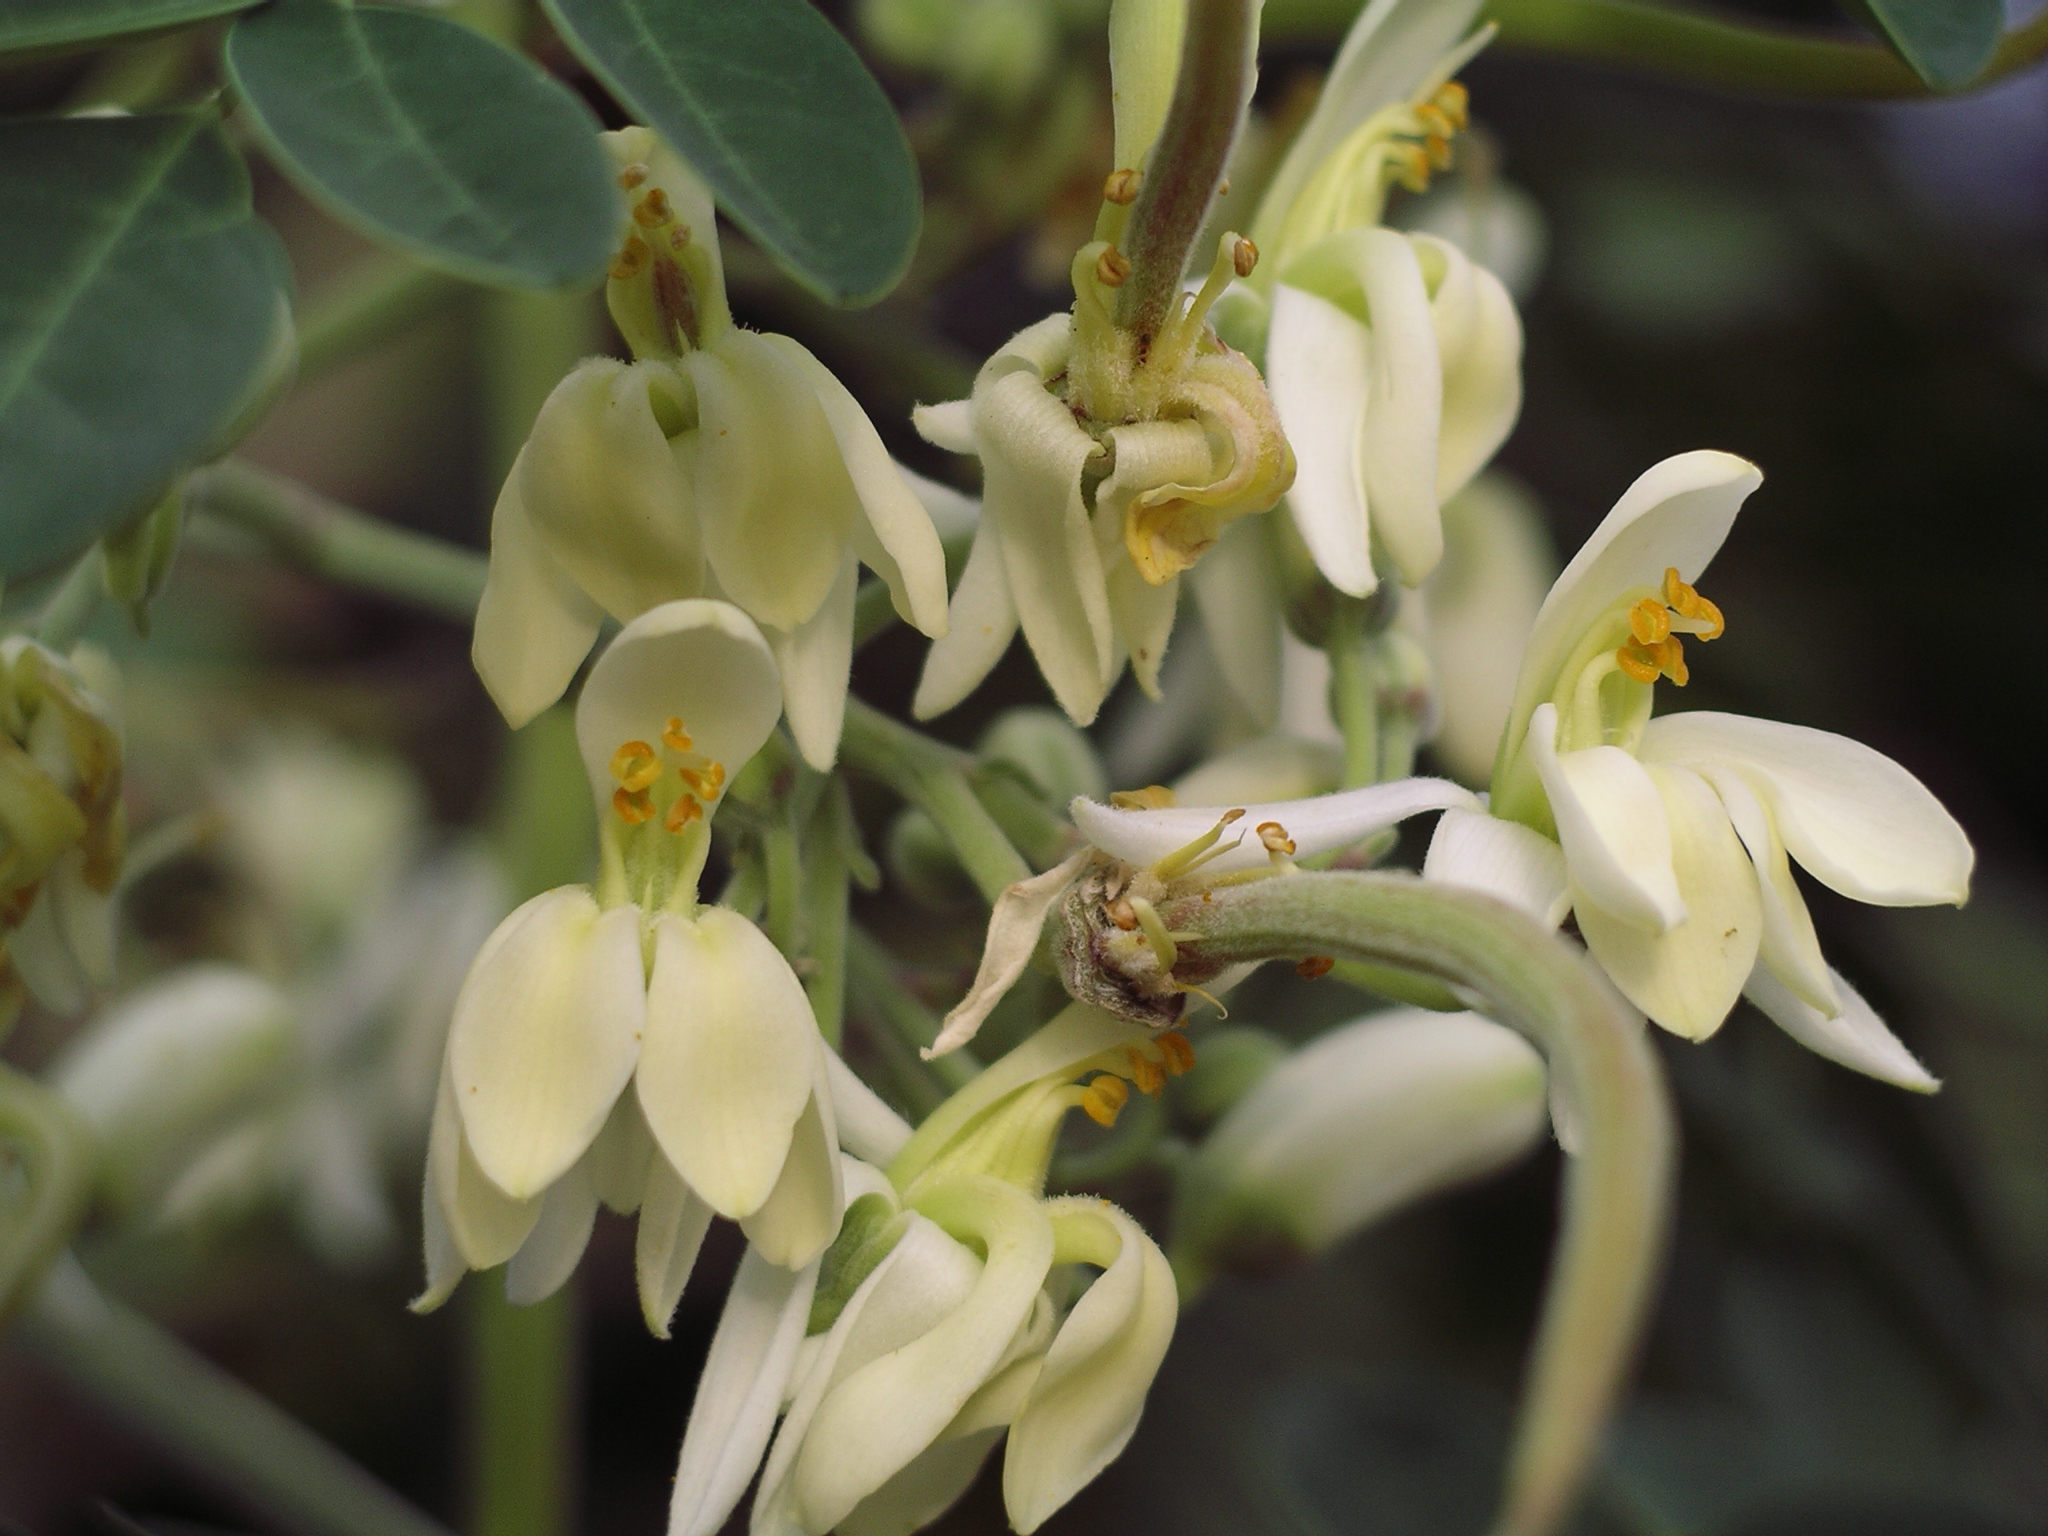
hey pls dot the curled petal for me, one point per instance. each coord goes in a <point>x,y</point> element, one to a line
<point>1855,1036</point>
<point>1013,929</point>
<point>1481,350</point>
<point>1503,858</point>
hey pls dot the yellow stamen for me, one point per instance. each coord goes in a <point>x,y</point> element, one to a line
<point>1112,267</point>
<point>1454,102</point>
<point>1243,257</point>
<point>674,737</point>
<point>1121,187</point>
<point>1164,950</point>
<point>632,176</point>
<point>635,766</point>
<point>652,211</point>
<point>631,260</point>
<point>1436,120</point>
<point>1154,797</point>
<point>1314,966</point>
<point>1409,165</point>
<point>1438,148</point>
<point>1275,837</point>
<point>1178,1056</point>
<point>633,806</point>
<point>1148,1074</point>
<point>1649,621</point>
<point>1103,1098</point>
<point>682,813</point>
<point>705,783</point>
<point>1687,602</point>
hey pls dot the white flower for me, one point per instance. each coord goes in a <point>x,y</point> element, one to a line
<point>1370,1117</point>
<point>1672,838</point>
<point>581,992</point>
<point>722,463</point>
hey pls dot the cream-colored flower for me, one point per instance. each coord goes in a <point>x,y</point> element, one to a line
<point>721,462</point>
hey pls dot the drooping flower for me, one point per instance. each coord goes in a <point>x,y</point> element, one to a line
<point>584,992</point>
<point>1672,838</point>
<point>721,462</point>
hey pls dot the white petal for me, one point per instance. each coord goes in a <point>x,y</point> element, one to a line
<point>544,1036</point>
<point>703,662</point>
<point>949,425</point>
<point>954,514</point>
<point>1676,514</point>
<point>816,660</point>
<point>729,1058</point>
<point>1014,924</point>
<point>980,626</point>
<point>895,537</point>
<point>1856,1037</point>
<point>873,1423</point>
<point>1482,377</point>
<point>1503,858</point>
<point>1144,60</point>
<point>444,1262</point>
<point>534,625</point>
<point>548,1257</point>
<point>1688,977</point>
<point>1271,767</point>
<point>1789,948</point>
<point>799,1218</point>
<point>1085,1404</point>
<point>1855,819</point>
<point>1398,445</point>
<point>1143,615</point>
<point>1617,839</point>
<point>618,1160</point>
<point>1238,598</point>
<point>1318,371</point>
<point>924,1490</point>
<point>1317,826</point>
<point>673,1222</point>
<point>485,1225</point>
<point>868,1128</point>
<point>776,502</point>
<point>600,486</point>
<point>740,1392</point>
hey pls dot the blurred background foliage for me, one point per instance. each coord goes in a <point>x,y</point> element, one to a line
<point>1854,1332</point>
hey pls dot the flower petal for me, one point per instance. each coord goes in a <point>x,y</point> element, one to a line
<point>1688,977</point>
<point>444,1262</point>
<point>549,1255</point>
<point>729,1058</point>
<point>702,662</point>
<point>1084,1406</point>
<point>534,625</point>
<point>980,626</point>
<point>799,1218</point>
<point>1789,948</point>
<point>619,1159</point>
<point>816,659</point>
<point>673,1222</point>
<point>1144,62</point>
<point>1319,371</point>
<point>1481,348</point>
<point>924,1490</point>
<point>1143,615</point>
<point>1013,928</point>
<point>1856,1036</point>
<point>948,425</point>
<point>1503,858</point>
<point>1855,819</point>
<point>740,1392</point>
<point>544,1036</point>
<point>1317,826</point>
<point>868,1128</point>
<point>485,1225</point>
<point>773,493</point>
<point>1239,601</point>
<point>1275,766</point>
<point>1617,837</point>
<point>894,535</point>
<point>600,485</point>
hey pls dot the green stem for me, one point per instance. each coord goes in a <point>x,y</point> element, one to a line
<point>522,1391</point>
<point>1354,693</point>
<point>1037,831</point>
<point>1397,985</point>
<point>71,607</point>
<point>383,297</point>
<point>783,864</point>
<point>45,1180</point>
<point>339,542</point>
<point>1684,44</point>
<point>871,977</point>
<point>1618,1187</point>
<point>190,1408</point>
<point>1186,164</point>
<point>825,883</point>
<point>933,777</point>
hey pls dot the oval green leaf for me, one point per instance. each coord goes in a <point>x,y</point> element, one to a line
<point>1947,43</point>
<point>38,24</point>
<point>430,137</point>
<point>145,315</point>
<point>775,110</point>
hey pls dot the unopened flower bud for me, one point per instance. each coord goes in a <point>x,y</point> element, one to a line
<point>135,560</point>
<point>1047,748</point>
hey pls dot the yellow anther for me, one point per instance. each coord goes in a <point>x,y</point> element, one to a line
<point>633,806</point>
<point>1638,661</point>
<point>632,176</point>
<point>1671,660</point>
<point>1104,1097</point>
<point>631,260</point>
<point>674,737</point>
<point>1314,966</point>
<point>1121,914</point>
<point>1435,119</point>
<point>1647,663</point>
<point>1112,267</point>
<point>1438,148</point>
<point>1649,621</point>
<point>1154,797</point>
<point>635,766</point>
<point>1454,101</point>
<point>1409,165</point>
<point>1243,257</point>
<point>1687,603</point>
<point>1275,838</point>
<point>1121,186</point>
<point>679,237</point>
<point>1145,1072</point>
<point>652,211</point>
<point>1177,1055</point>
<point>682,813</point>
<point>705,783</point>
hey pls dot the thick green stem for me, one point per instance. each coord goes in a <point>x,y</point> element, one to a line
<point>381,298</point>
<point>187,1406</point>
<point>1209,95</point>
<point>339,542</point>
<point>1354,694</point>
<point>1618,1186</point>
<point>522,1389</point>
<point>71,607</point>
<point>871,977</point>
<point>826,878</point>
<point>45,1181</point>
<point>933,777</point>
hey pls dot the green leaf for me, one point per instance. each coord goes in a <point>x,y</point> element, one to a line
<point>145,317</point>
<point>1947,43</point>
<point>35,24</point>
<point>430,137</point>
<point>773,108</point>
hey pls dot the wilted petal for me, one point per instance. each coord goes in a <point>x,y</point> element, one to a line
<point>801,1214</point>
<point>1617,837</point>
<point>1688,977</point>
<point>673,1222</point>
<point>1856,1036</point>
<point>1084,1406</point>
<point>1855,819</point>
<point>980,626</point>
<point>1319,370</point>
<point>729,1058</point>
<point>544,1036</point>
<point>777,504</point>
<point>1013,928</point>
<point>1320,825</point>
<point>1503,858</point>
<point>548,1257</point>
<point>534,625</point>
<point>815,660</point>
<point>1789,949</point>
<point>740,1391</point>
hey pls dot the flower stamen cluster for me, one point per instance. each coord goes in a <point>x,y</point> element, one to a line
<point>1652,649</point>
<point>639,768</point>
